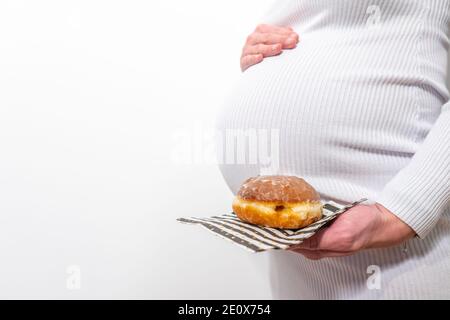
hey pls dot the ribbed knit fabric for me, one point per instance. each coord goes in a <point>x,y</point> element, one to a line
<point>362,110</point>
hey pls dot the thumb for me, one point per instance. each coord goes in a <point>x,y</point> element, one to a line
<point>320,241</point>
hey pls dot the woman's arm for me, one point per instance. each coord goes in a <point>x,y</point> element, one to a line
<point>410,204</point>
<point>420,193</point>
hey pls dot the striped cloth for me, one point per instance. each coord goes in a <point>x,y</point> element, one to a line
<point>257,238</point>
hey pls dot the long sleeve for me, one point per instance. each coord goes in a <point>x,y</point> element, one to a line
<point>420,192</point>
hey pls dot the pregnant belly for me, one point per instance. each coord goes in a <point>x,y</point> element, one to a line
<point>325,103</point>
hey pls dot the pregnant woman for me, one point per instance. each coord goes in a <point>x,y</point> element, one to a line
<point>356,90</point>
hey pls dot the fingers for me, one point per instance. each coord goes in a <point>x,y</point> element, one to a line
<point>268,28</point>
<point>264,49</point>
<point>330,240</point>
<point>250,60</point>
<point>288,41</point>
<point>320,254</point>
<point>311,255</point>
<point>291,41</point>
<point>267,41</point>
<point>322,240</point>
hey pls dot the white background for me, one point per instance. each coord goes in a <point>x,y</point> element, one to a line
<point>91,93</point>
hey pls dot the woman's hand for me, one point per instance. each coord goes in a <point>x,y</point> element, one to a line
<point>361,227</point>
<point>266,41</point>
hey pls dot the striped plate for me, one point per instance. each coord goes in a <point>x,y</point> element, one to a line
<point>258,239</point>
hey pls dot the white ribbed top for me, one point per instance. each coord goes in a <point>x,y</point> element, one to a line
<point>362,110</point>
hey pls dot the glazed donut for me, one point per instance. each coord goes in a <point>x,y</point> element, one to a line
<point>283,202</point>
